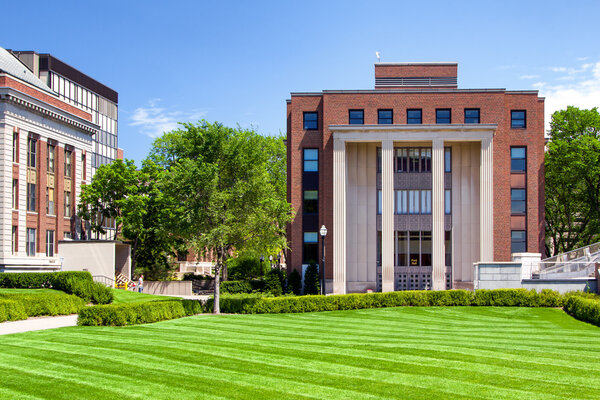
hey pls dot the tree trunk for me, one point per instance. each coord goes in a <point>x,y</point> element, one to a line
<point>216,307</point>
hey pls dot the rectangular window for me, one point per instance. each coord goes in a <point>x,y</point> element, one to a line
<point>401,202</point>
<point>31,152</point>
<point>50,243</point>
<point>448,245</point>
<point>67,204</point>
<point>311,160</point>
<point>402,160</point>
<point>447,159</point>
<point>413,201</point>
<point>67,235</point>
<point>518,201</point>
<point>310,254</point>
<point>413,160</point>
<point>379,159</point>
<point>50,209</point>
<point>379,203</point>
<point>471,115</point>
<point>426,160</point>
<point>414,248</point>
<point>50,160</point>
<point>426,248</point>
<point>414,116</point>
<point>425,201</point>
<point>518,119</point>
<point>311,202</point>
<point>518,159</point>
<point>30,245</point>
<point>15,155</point>
<point>15,196</point>
<point>68,160</point>
<point>311,121</point>
<point>447,201</point>
<point>31,188</point>
<point>443,116</point>
<point>356,117</point>
<point>402,249</point>
<point>14,240</point>
<point>385,117</point>
<point>518,241</point>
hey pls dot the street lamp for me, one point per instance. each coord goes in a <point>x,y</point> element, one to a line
<point>271,261</point>
<point>323,232</point>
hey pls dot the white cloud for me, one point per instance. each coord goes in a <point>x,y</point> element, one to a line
<point>529,76</point>
<point>153,120</point>
<point>580,89</point>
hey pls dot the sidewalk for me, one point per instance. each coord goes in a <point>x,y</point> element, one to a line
<point>37,324</point>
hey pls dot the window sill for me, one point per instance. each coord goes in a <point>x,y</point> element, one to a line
<point>518,173</point>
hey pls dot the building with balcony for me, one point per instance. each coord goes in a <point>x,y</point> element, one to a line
<point>416,180</point>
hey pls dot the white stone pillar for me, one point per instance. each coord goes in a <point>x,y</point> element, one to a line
<point>486,205</point>
<point>387,216</point>
<point>438,276</point>
<point>339,216</point>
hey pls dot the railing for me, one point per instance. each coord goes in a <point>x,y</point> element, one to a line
<point>105,280</point>
<point>573,255</point>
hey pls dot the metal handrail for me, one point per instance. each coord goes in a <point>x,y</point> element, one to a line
<point>105,280</point>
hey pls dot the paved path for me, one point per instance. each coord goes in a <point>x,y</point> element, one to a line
<point>37,324</point>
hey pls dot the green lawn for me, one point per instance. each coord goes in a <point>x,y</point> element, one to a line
<point>127,296</point>
<point>411,352</point>
<point>29,291</point>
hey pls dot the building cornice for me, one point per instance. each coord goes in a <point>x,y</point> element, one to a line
<point>412,91</point>
<point>448,132</point>
<point>16,97</point>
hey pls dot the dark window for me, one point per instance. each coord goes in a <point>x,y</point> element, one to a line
<point>518,203</point>
<point>311,202</point>
<point>30,242</point>
<point>414,116</point>
<point>31,151</point>
<point>518,119</point>
<point>448,245</point>
<point>518,159</point>
<point>31,187</point>
<point>414,248</point>
<point>15,155</point>
<point>385,117</point>
<point>426,248</point>
<point>518,241</point>
<point>311,121</point>
<point>403,248</point>
<point>68,163</point>
<point>311,160</point>
<point>379,159</point>
<point>471,115</point>
<point>442,116</point>
<point>426,160</point>
<point>67,210</point>
<point>356,117</point>
<point>310,255</point>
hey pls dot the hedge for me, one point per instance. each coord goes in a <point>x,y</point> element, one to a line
<point>235,287</point>
<point>138,313</point>
<point>17,306</point>
<point>79,283</point>
<point>258,304</point>
<point>584,309</point>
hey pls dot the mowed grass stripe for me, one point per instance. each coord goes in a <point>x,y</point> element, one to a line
<point>438,352</point>
<point>497,379</point>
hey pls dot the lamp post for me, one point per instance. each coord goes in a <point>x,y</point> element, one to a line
<point>323,232</point>
<point>271,261</point>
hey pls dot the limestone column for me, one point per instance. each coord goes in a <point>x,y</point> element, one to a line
<point>438,276</point>
<point>339,216</point>
<point>486,202</point>
<point>387,215</point>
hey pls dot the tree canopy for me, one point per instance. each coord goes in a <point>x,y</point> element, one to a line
<point>572,171</point>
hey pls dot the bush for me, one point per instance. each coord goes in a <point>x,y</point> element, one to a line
<point>79,283</point>
<point>193,307</point>
<point>583,308</point>
<point>258,304</point>
<point>11,310</point>
<point>51,303</point>
<point>246,267</point>
<point>132,313</point>
<point>311,280</point>
<point>295,282</point>
<point>275,282</point>
<point>234,287</point>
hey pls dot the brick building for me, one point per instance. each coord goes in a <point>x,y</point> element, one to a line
<point>46,148</point>
<point>415,180</point>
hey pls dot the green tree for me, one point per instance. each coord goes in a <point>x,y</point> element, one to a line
<point>295,282</point>
<point>312,285</point>
<point>572,185</point>
<point>229,190</point>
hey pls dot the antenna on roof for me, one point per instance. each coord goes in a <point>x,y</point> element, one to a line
<point>378,55</point>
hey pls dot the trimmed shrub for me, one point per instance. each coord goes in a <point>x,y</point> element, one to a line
<point>51,303</point>
<point>11,310</point>
<point>258,304</point>
<point>79,283</point>
<point>193,307</point>
<point>234,287</point>
<point>312,284</point>
<point>295,282</point>
<point>274,282</point>
<point>584,309</point>
<point>131,313</point>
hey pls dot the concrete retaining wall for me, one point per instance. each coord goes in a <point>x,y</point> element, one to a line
<point>173,288</point>
<point>498,276</point>
<point>562,285</point>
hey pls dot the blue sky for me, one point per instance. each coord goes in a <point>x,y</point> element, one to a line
<point>237,61</point>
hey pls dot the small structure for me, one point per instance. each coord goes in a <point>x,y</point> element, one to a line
<point>104,259</point>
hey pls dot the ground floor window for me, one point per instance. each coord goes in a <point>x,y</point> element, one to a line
<point>30,244</point>
<point>518,241</point>
<point>50,243</point>
<point>310,253</point>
